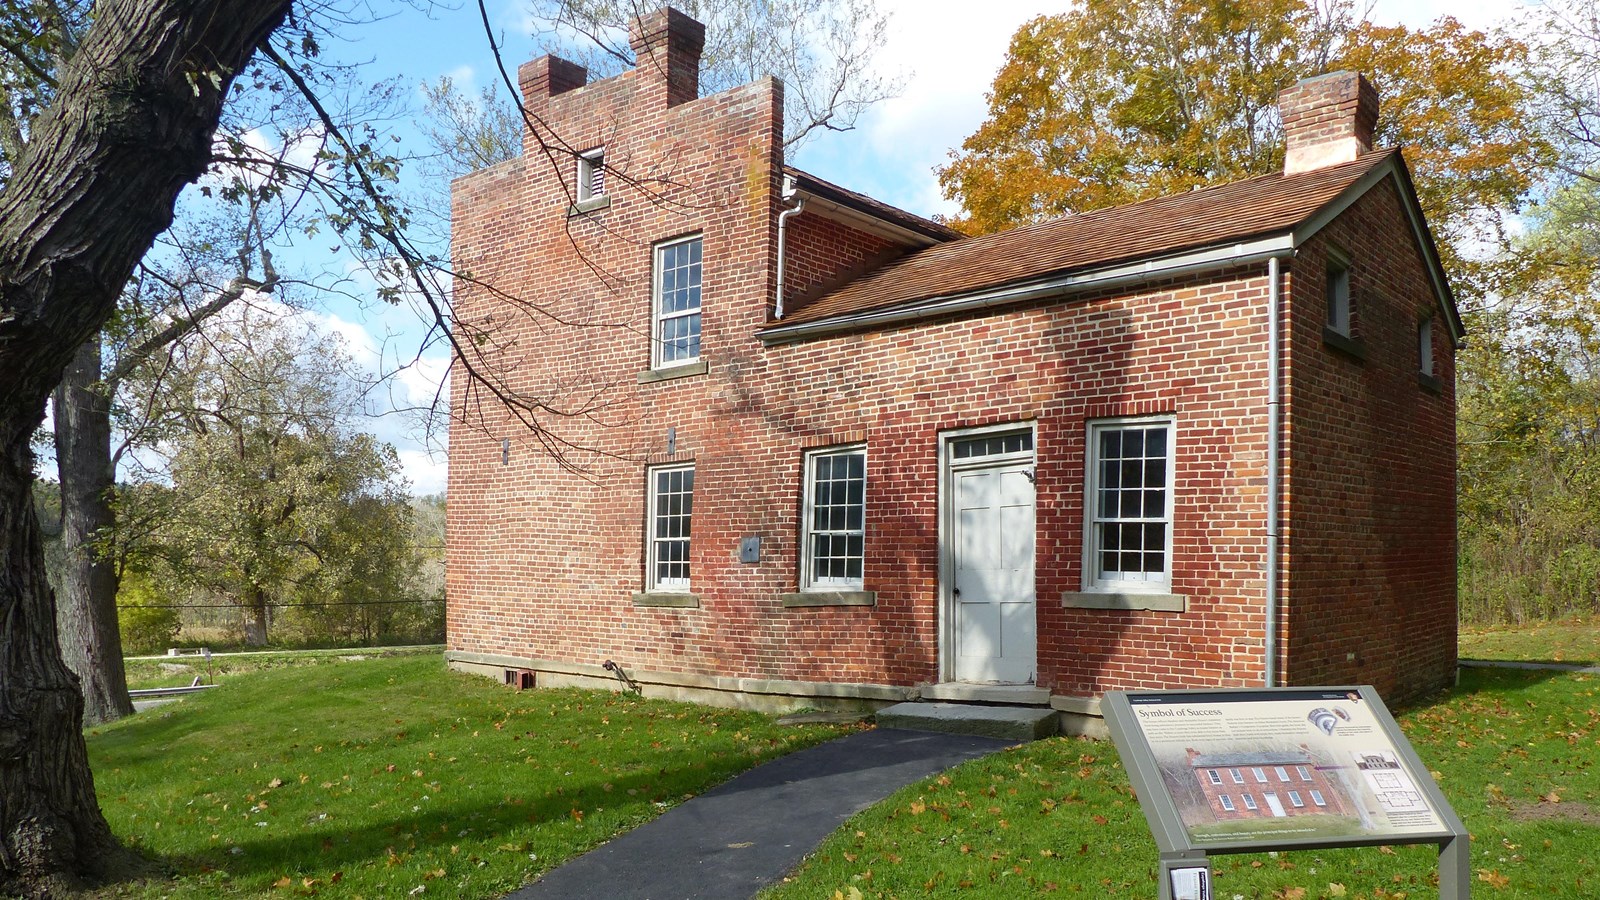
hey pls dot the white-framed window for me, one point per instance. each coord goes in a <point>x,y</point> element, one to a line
<point>1261,775</point>
<point>676,303</point>
<point>1295,801</point>
<point>1214,775</point>
<point>1316,797</point>
<point>833,529</point>
<point>671,508</point>
<point>591,174</point>
<point>1129,516</point>
<point>1425,346</point>
<point>1303,772</point>
<point>1283,774</point>
<point>1338,295</point>
<point>1236,775</point>
<point>1227,802</point>
<point>1250,802</point>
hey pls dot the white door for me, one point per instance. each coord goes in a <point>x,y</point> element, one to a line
<point>1274,804</point>
<point>991,594</point>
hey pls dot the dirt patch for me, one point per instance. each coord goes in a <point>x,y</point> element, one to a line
<point>1537,812</point>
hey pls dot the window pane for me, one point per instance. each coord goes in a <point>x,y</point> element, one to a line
<point>1155,473</point>
<point>1133,443</point>
<point>1110,444</point>
<point>1155,443</point>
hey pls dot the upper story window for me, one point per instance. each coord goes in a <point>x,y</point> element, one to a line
<point>1338,295</point>
<point>834,527</point>
<point>671,507</point>
<point>676,302</point>
<point>592,174</point>
<point>1129,515</point>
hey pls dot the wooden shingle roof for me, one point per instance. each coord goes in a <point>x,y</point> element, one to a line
<point>1216,216</point>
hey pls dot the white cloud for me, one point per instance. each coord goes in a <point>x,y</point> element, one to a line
<point>427,472</point>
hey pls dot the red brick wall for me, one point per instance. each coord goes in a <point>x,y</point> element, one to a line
<point>1371,473</point>
<point>544,559</point>
<point>821,254</point>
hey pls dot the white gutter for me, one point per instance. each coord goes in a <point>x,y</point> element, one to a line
<point>1198,261</point>
<point>1274,414</point>
<point>789,191</point>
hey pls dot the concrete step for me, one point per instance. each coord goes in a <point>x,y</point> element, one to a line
<point>1013,723</point>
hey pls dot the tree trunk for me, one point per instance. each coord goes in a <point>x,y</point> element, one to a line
<point>255,617</point>
<point>86,610</point>
<point>51,830</point>
<point>131,124</point>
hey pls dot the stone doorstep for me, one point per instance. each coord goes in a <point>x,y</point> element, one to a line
<point>1003,694</point>
<point>1014,723</point>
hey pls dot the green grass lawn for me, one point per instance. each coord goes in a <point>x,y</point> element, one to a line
<point>1516,752</point>
<point>395,777</point>
<point>158,672</point>
<point>1574,640</point>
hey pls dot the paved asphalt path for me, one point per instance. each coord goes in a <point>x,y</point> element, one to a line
<point>731,841</point>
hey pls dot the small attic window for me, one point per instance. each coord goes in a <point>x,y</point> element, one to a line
<point>1425,346</point>
<point>1338,294</point>
<point>591,174</point>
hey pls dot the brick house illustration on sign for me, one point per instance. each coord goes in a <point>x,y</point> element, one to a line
<point>1265,784</point>
<point>829,453</point>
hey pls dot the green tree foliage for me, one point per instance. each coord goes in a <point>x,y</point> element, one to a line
<point>1529,427</point>
<point>1529,386</point>
<point>274,500</point>
<point>148,618</point>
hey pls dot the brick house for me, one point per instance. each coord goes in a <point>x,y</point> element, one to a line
<point>1266,784</point>
<point>827,452</point>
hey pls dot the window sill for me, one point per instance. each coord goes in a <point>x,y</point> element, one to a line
<point>593,204</point>
<point>1344,343</point>
<point>1430,383</point>
<point>830,598</point>
<point>668,599</point>
<point>1129,601</point>
<point>651,376</point>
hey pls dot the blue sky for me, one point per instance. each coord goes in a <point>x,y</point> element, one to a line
<point>946,54</point>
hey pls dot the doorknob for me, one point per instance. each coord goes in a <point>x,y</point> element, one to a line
<point>958,592</point>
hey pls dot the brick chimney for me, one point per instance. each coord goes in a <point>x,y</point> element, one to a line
<point>1327,120</point>
<point>547,76</point>
<point>666,47</point>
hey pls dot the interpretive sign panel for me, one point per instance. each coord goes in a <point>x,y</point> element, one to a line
<point>1245,770</point>
<point>1286,766</point>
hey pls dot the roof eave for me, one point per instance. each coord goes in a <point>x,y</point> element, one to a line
<point>1257,249</point>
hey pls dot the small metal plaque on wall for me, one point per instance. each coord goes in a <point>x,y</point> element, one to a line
<point>750,550</point>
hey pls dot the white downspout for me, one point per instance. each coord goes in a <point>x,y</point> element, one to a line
<point>1274,414</point>
<point>789,191</point>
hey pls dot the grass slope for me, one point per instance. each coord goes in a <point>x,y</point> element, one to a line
<point>176,671</point>
<point>1516,752</point>
<point>395,777</point>
<point>1575,640</point>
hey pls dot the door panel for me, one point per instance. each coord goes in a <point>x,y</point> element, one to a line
<point>993,569</point>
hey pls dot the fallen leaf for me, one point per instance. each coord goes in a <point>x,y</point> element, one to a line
<point>1335,889</point>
